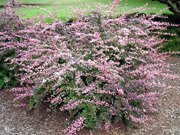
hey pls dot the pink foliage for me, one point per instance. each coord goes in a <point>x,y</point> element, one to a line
<point>74,127</point>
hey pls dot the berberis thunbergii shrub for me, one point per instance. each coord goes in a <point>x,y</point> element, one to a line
<point>100,70</point>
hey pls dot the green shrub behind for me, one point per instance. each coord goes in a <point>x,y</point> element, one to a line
<point>7,74</point>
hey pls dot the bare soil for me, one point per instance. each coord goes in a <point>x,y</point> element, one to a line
<point>20,121</point>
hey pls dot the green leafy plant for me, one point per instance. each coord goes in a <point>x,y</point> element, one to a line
<point>7,73</point>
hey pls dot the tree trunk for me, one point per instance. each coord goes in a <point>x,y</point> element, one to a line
<point>173,5</point>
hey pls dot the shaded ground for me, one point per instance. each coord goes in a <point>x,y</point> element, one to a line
<point>14,121</point>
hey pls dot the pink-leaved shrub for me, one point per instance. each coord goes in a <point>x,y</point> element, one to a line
<point>101,70</point>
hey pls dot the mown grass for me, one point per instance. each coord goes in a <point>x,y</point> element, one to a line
<point>62,8</point>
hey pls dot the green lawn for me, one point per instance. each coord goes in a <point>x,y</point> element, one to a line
<point>62,8</point>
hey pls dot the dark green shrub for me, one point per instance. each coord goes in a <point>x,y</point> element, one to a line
<point>7,74</point>
<point>172,46</point>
